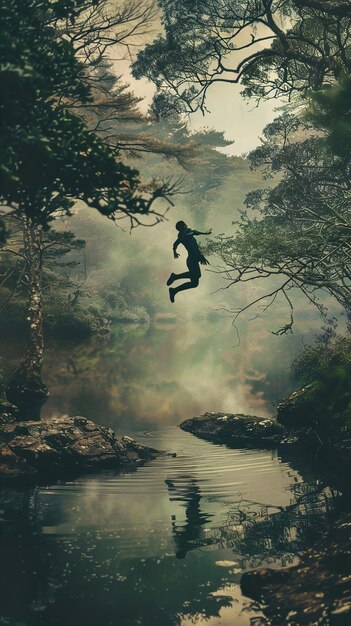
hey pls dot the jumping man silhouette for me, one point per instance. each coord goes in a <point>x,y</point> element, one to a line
<point>186,236</point>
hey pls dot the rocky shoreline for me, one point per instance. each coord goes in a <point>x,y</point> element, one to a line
<point>40,452</point>
<point>318,589</point>
<point>238,430</point>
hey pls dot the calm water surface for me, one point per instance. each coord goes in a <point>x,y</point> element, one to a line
<point>165,545</point>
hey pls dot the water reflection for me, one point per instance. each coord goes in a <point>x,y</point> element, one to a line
<point>165,545</point>
<point>156,375</point>
<point>188,534</point>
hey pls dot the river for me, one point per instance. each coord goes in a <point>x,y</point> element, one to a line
<point>165,545</point>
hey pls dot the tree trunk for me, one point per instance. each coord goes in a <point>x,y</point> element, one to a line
<point>26,389</point>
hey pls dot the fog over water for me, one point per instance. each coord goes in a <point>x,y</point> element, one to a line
<point>190,359</point>
<point>158,375</point>
<point>163,374</point>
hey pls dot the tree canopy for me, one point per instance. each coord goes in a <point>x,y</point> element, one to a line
<point>272,47</point>
<point>296,233</point>
<point>49,156</point>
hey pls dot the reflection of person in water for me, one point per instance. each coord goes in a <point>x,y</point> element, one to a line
<point>188,535</point>
<point>186,236</point>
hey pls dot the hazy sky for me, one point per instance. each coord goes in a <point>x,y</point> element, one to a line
<point>240,120</point>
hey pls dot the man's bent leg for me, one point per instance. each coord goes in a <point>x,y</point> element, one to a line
<point>174,277</point>
<point>194,274</point>
<point>184,275</point>
<point>191,285</point>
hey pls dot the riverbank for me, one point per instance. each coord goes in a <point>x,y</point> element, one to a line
<point>162,545</point>
<point>58,448</point>
<point>318,589</point>
<point>238,430</point>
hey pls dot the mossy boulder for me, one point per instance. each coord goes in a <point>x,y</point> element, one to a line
<point>236,429</point>
<point>60,447</point>
<point>324,405</point>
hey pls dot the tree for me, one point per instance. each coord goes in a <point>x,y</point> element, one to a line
<point>163,143</point>
<point>291,48</point>
<point>94,26</point>
<point>300,239</point>
<point>56,268</point>
<point>114,115</point>
<point>272,47</point>
<point>29,252</point>
<point>49,157</point>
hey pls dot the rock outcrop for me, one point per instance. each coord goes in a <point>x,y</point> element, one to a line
<point>54,448</point>
<point>238,430</point>
<point>298,409</point>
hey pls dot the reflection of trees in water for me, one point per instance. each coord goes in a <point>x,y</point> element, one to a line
<point>88,578</point>
<point>267,533</point>
<point>117,375</point>
<point>135,370</point>
<point>256,532</point>
<point>89,377</point>
<point>52,579</point>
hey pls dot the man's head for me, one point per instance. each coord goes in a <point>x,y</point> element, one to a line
<point>181,226</point>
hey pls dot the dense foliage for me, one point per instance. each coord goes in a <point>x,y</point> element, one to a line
<point>294,235</point>
<point>324,369</point>
<point>272,47</point>
<point>297,233</point>
<point>49,157</point>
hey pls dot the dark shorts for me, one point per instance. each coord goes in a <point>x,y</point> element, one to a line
<point>193,267</point>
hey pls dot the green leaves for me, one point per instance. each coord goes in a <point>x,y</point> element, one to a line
<point>48,155</point>
<point>296,235</point>
<point>269,47</point>
<point>331,111</point>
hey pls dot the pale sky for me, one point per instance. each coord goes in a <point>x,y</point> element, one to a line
<point>239,119</point>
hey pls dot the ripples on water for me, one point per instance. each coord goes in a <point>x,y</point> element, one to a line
<point>163,546</point>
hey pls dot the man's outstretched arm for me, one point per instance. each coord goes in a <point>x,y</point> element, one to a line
<point>198,232</point>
